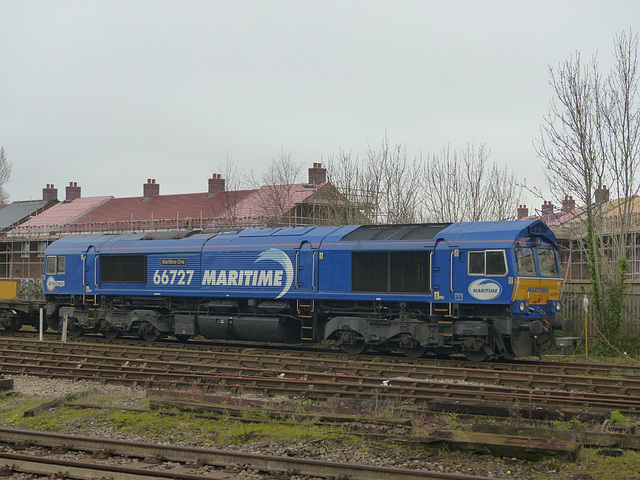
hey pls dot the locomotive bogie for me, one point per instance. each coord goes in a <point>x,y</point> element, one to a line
<point>483,289</point>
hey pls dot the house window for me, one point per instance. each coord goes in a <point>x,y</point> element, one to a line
<point>42,248</point>
<point>26,249</point>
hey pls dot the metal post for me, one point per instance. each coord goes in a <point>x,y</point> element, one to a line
<point>65,324</point>
<point>585,305</point>
<point>41,329</point>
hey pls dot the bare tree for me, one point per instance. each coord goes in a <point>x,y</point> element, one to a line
<point>394,183</point>
<point>276,188</point>
<point>570,149</point>
<point>229,172</point>
<point>505,194</point>
<point>442,187</point>
<point>5,174</point>
<point>458,186</point>
<point>588,139</point>
<point>349,203</point>
<point>381,187</point>
<point>620,136</point>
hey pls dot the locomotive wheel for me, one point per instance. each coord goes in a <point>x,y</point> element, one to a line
<point>413,352</point>
<point>13,324</point>
<point>53,323</point>
<point>353,348</point>
<point>152,335</point>
<point>110,334</point>
<point>75,332</point>
<point>475,355</point>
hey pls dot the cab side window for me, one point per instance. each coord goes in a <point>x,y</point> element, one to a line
<point>55,265</point>
<point>60,264</point>
<point>476,263</point>
<point>488,263</point>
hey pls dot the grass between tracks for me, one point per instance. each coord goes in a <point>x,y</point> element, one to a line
<point>299,437</point>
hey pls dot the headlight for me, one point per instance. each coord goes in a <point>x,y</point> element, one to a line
<point>558,306</point>
<point>523,306</point>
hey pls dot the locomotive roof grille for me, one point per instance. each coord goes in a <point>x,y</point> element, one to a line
<point>425,231</point>
<point>170,235</point>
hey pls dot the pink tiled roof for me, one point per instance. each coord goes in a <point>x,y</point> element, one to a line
<point>260,203</point>
<point>168,208</point>
<point>556,219</point>
<point>60,215</point>
<point>241,207</point>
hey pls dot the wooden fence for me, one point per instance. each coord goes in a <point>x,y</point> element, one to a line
<point>573,294</point>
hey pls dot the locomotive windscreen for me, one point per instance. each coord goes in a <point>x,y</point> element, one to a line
<point>390,272</point>
<point>426,231</point>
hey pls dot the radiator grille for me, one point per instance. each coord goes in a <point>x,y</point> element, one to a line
<point>390,272</point>
<point>123,268</point>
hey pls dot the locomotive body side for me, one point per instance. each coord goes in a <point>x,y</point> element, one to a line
<point>444,288</point>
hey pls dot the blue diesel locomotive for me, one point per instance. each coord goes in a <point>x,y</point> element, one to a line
<point>486,289</point>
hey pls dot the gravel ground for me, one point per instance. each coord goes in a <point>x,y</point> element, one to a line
<point>370,453</point>
<point>32,386</point>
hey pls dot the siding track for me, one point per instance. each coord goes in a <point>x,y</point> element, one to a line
<point>275,373</point>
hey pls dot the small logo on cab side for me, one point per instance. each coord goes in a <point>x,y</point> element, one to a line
<point>485,289</point>
<point>52,283</point>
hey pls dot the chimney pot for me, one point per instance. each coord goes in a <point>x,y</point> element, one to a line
<point>49,193</point>
<point>73,191</point>
<point>523,212</point>
<point>568,204</point>
<point>216,184</point>
<point>150,189</point>
<point>602,194</point>
<point>317,174</point>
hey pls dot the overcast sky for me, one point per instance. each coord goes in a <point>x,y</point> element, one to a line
<point>110,93</point>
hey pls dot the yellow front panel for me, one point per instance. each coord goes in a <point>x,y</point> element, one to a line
<point>537,290</point>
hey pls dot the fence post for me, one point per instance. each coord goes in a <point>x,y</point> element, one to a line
<point>41,324</point>
<point>65,324</point>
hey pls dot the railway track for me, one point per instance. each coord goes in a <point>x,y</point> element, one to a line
<point>252,364</point>
<point>415,383</point>
<point>315,352</point>
<point>144,460</point>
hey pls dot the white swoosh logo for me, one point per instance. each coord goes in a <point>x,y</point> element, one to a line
<point>283,259</point>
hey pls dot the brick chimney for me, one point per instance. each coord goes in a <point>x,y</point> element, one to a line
<point>568,204</point>
<point>49,193</point>
<point>150,189</point>
<point>216,184</point>
<point>317,174</point>
<point>523,212</point>
<point>602,194</point>
<point>73,191</point>
<point>547,209</point>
